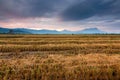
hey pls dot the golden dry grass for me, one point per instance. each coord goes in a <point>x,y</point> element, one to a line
<point>59,57</point>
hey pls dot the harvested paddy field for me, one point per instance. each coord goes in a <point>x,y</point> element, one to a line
<point>59,57</point>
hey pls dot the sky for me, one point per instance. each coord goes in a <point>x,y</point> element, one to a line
<point>61,14</point>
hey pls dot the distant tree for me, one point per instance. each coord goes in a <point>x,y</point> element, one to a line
<point>10,31</point>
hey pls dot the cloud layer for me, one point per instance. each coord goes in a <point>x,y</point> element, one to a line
<point>77,10</point>
<point>29,8</point>
<point>90,8</point>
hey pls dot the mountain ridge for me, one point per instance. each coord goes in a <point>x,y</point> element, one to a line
<point>45,31</point>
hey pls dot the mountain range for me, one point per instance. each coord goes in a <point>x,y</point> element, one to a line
<point>45,31</point>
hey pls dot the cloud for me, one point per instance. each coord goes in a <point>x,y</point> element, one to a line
<point>29,8</point>
<point>67,10</point>
<point>92,8</point>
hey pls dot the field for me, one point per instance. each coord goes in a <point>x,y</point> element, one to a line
<point>59,57</point>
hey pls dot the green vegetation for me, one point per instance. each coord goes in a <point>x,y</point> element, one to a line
<point>59,57</point>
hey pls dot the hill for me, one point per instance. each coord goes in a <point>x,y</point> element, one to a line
<point>45,31</point>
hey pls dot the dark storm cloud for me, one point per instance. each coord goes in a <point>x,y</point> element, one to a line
<point>29,8</point>
<point>92,8</point>
<point>70,10</point>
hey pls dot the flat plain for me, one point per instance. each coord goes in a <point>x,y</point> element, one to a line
<point>59,57</point>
